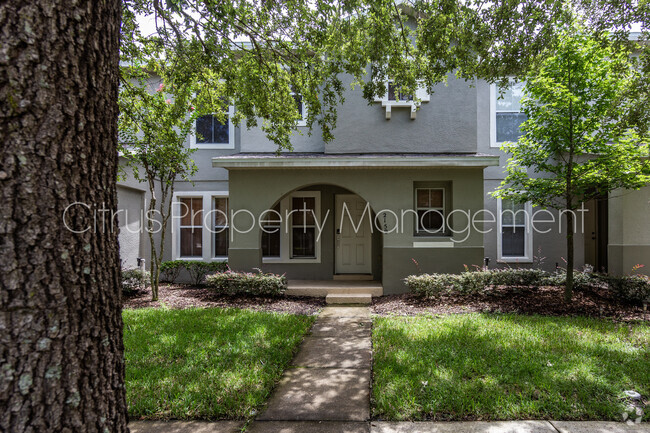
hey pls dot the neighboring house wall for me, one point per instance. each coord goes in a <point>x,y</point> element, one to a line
<point>629,233</point>
<point>545,250</point>
<point>130,203</point>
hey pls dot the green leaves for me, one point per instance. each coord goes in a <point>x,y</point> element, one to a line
<point>576,138</point>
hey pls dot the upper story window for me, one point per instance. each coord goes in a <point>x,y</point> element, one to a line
<point>211,133</point>
<point>396,99</point>
<point>506,114</point>
<point>302,110</point>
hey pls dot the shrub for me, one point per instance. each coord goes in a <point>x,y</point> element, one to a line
<point>199,270</point>
<point>517,277</point>
<point>132,280</point>
<point>170,270</point>
<point>431,285</point>
<point>249,283</point>
<point>630,288</point>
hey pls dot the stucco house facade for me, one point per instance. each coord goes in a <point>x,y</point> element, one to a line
<point>400,190</point>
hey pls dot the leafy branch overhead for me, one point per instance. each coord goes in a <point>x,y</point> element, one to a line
<point>262,51</point>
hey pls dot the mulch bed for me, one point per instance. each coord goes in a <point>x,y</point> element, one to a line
<point>183,296</point>
<point>547,301</point>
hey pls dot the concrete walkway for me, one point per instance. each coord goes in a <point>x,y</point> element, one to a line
<point>327,390</point>
<point>329,379</point>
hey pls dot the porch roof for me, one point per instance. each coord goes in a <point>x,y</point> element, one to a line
<point>354,160</point>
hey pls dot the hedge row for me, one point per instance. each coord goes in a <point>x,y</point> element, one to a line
<point>247,283</point>
<point>133,280</point>
<point>170,270</point>
<point>632,288</point>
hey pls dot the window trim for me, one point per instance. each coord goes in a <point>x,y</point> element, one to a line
<point>207,236</point>
<point>191,226</point>
<point>303,121</point>
<point>231,135</point>
<point>286,230</point>
<point>528,236</point>
<point>493,116</point>
<point>443,231</point>
<point>421,93</point>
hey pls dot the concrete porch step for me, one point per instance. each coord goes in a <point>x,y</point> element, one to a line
<point>352,277</point>
<point>322,288</point>
<point>349,298</point>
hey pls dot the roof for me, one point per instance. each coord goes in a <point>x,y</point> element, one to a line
<point>354,160</point>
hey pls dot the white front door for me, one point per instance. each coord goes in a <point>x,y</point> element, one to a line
<point>353,235</point>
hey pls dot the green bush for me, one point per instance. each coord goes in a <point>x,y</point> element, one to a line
<point>199,270</point>
<point>132,280</point>
<point>630,288</point>
<point>170,270</point>
<point>248,283</point>
<point>517,277</point>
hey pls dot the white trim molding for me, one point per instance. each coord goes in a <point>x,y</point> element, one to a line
<point>206,235</point>
<point>528,235</point>
<point>231,135</point>
<point>286,230</point>
<point>356,161</point>
<point>421,94</point>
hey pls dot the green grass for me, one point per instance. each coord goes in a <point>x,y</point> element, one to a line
<point>205,363</point>
<point>480,366</point>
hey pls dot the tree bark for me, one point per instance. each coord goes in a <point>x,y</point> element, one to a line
<point>61,350</point>
<point>568,287</point>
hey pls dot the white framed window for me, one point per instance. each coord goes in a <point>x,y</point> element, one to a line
<point>302,109</point>
<point>430,210</point>
<point>514,234</point>
<point>297,239</point>
<point>506,115</point>
<point>211,133</point>
<point>395,99</point>
<point>199,229</point>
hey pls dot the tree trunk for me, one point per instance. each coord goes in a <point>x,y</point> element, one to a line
<point>568,286</point>
<point>61,351</point>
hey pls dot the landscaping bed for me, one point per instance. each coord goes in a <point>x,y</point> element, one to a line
<point>508,366</point>
<point>184,296</point>
<point>548,300</point>
<point>206,363</point>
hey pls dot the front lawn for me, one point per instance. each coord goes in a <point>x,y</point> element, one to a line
<point>208,363</point>
<point>485,366</point>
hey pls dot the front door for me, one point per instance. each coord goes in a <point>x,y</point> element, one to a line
<point>595,234</point>
<point>353,235</point>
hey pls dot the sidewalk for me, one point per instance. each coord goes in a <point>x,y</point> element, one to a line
<point>327,390</point>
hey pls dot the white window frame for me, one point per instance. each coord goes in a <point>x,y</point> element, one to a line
<point>286,232</point>
<point>231,135</point>
<point>303,121</point>
<point>207,229</point>
<point>493,116</point>
<point>443,230</point>
<point>528,236</point>
<point>215,226</point>
<point>421,93</point>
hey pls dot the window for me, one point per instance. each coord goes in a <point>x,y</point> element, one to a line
<point>200,228</point>
<point>515,237</point>
<point>191,227</point>
<point>395,99</point>
<point>271,233</point>
<point>302,110</point>
<point>211,133</point>
<point>430,209</point>
<point>220,232</point>
<point>507,116</point>
<point>290,229</point>
<point>303,227</point>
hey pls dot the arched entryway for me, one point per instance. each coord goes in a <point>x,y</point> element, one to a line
<point>322,232</point>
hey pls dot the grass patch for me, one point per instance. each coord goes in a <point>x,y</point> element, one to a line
<point>205,363</point>
<point>481,366</point>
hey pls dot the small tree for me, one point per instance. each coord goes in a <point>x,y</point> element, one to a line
<point>575,139</point>
<point>154,124</point>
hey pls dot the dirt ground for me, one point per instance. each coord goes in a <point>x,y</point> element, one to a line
<point>182,296</point>
<point>547,301</point>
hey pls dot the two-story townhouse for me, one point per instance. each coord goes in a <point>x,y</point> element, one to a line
<point>398,191</point>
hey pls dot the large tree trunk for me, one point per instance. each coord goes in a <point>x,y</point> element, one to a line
<point>61,352</point>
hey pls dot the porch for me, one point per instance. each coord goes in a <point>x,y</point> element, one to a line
<point>348,291</point>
